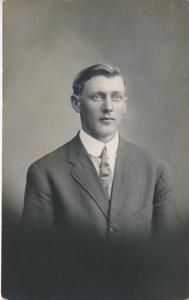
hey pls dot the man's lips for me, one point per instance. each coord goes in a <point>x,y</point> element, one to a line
<point>107,119</point>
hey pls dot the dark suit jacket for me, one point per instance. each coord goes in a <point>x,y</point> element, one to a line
<point>73,228</point>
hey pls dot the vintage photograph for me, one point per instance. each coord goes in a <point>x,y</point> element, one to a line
<point>95,198</point>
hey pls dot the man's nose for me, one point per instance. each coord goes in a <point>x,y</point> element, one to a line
<point>107,104</point>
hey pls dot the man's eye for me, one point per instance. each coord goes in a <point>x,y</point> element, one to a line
<point>117,97</point>
<point>96,97</point>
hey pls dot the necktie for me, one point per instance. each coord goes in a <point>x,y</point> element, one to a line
<point>105,173</point>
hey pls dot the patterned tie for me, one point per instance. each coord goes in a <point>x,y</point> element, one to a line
<point>105,173</point>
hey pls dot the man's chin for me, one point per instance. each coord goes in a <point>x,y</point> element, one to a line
<point>106,136</point>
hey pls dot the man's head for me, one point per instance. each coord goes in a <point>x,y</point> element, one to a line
<point>99,95</point>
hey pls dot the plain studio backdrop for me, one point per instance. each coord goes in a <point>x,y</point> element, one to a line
<point>46,42</point>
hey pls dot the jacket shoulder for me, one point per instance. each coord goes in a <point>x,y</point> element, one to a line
<point>143,156</point>
<point>52,159</point>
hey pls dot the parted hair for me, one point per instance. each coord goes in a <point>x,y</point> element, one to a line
<point>92,71</point>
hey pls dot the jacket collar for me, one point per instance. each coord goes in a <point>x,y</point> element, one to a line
<point>124,177</point>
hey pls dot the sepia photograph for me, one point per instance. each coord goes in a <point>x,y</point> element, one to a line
<point>95,202</point>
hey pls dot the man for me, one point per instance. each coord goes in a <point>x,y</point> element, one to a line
<point>92,204</point>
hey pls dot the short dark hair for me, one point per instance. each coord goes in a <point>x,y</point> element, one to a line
<point>92,71</point>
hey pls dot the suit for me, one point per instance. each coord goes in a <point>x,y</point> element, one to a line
<point>79,232</point>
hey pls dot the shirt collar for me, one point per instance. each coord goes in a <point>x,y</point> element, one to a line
<point>94,147</point>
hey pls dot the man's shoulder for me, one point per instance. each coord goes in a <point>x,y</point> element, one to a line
<point>141,155</point>
<point>55,157</point>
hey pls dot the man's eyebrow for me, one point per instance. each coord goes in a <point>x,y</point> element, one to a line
<point>117,92</point>
<point>98,92</point>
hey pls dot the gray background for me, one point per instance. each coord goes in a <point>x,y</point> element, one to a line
<point>46,42</point>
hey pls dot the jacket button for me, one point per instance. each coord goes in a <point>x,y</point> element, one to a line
<point>112,229</point>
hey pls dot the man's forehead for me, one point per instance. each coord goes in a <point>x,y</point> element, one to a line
<point>104,84</point>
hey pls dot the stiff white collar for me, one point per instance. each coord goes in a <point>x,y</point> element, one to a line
<point>94,147</point>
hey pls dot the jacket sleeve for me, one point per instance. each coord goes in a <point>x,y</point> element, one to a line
<point>38,209</point>
<point>165,216</point>
<point>36,232</point>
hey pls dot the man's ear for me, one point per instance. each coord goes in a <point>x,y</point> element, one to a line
<point>75,100</point>
<point>125,106</point>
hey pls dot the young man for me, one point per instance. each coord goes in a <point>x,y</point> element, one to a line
<point>91,204</point>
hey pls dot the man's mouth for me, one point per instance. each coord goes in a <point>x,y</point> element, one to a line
<point>107,119</point>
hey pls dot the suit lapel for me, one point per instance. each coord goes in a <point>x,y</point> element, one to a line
<point>124,177</point>
<point>85,174</point>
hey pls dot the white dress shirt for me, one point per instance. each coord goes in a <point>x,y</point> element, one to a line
<point>94,148</point>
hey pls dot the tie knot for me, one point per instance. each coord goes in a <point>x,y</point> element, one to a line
<point>104,153</point>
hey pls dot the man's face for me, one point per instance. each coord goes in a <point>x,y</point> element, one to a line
<point>101,106</point>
